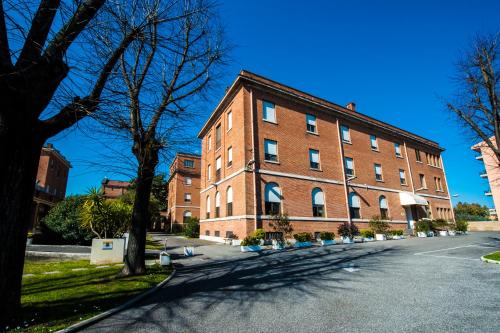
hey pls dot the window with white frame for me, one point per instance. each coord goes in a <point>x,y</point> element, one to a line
<point>268,111</point>
<point>209,172</point>
<point>439,185</point>
<point>218,137</point>
<point>318,202</point>
<point>229,120</point>
<point>208,207</point>
<point>189,163</point>
<point>218,166</point>
<point>270,150</point>
<point>349,166</point>
<point>188,181</point>
<point>229,156</point>
<point>217,204</point>
<point>402,177</point>
<point>354,206</point>
<point>209,142</point>
<point>186,216</point>
<point>423,183</point>
<point>272,198</point>
<point>187,197</point>
<point>418,157</point>
<point>378,172</point>
<point>311,123</point>
<point>346,135</point>
<point>384,207</point>
<point>314,159</point>
<point>373,142</point>
<point>397,149</point>
<point>229,200</point>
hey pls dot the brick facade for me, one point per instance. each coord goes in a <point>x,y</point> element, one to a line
<point>184,184</point>
<point>249,171</point>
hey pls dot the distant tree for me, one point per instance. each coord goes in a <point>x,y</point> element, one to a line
<point>192,228</point>
<point>477,102</point>
<point>471,211</point>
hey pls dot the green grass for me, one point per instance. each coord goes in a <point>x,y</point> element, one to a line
<point>52,302</point>
<point>153,244</point>
<point>493,256</point>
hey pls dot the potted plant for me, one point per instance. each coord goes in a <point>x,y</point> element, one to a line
<point>29,240</point>
<point>281,225</point>
<point>250,244</point>
<point>302,239</point>
<point>367,234</point>
<point>260,234</point>
<point>347,231</point>
<point>327,238</point>
<point>461,227</point>
<point>396,234</point>
<point>440,226</point>
<point>379,227</point>
<point>423,228</point>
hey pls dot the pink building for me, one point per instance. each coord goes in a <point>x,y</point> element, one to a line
<point>491,170</point>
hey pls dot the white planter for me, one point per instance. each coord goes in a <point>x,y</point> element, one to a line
<point>250,248</point>
<point>302,244</point>
<point>430,234</point>
<point>29,241</point>
<point>278,245</point>
<point>327,242</point>
<point>236,242</point>
<point>451,232</point>
<point>368,239</point>
<point>358,239</point>
<point>188,251</point>
<point>262,242</point>
<point>421,234</point>
<point>396,237</point>
<point>443,233</point>
<point>107,251</point>
<point>165,259</point>
<point>380,237</point>
<point>347,240</point>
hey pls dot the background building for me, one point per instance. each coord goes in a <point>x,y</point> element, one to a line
<point>268,148</point>
<point>51,182</point>
<point>112,189</point>
<point>184,189</point>
<point>491,171</point>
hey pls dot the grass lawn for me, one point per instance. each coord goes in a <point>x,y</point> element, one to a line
<point>153,244</point>
<point>493,256</point>
<point>53,301</point>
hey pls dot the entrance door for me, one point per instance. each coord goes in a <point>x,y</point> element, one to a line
<point>410,217</point>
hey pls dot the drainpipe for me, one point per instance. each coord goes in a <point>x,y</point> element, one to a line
<point>447,188</point>
<point>409,168</point>
<point>341,154</point>
<point>254,171</point>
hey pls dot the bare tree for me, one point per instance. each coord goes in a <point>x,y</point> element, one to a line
<point>163,77</point>
<point>477,104</point>
<point>45,88</point>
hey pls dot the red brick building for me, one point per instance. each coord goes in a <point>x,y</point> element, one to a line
<point>113,189</point>
<point>51,182</point>
<point>268,148</point>
<point>184,189</point>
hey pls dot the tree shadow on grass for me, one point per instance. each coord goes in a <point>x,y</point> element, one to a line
<point>236,287</point>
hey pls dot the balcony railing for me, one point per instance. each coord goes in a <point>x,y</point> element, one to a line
<point>479,157</point>
<point>487,193</point>
<point>483,174</point>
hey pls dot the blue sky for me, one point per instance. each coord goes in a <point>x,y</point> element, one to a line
<point>395,59</point>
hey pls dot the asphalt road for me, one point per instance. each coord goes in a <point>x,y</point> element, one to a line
<point>414,285</point>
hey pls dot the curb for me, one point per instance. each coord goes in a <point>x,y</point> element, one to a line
<point>42,254</point>
<point>491,261</point>
<point>87,322</point>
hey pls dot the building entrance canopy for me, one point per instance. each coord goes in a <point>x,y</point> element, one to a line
<point>409,199</point>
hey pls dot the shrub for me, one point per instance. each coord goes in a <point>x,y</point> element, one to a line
<point>250,241</point>
<point>348,230</point>
<point>259,233</point>
<point>302,237</point>
<point>64,223</point>
<point>439,224</point>
<point>423,226</point>
<point>192,228</point>
<point>281,225</point>
<point>366,233</point>
<point>461,225</point>
<point>378,225</point>
<point>325,235</point>
<point>397,232</point>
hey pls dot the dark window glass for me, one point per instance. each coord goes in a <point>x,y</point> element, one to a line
<point>354,212</point>
<point>272,208</point>
<point>229,209</point>
<point>318,210</point>
<point>383,213</point>
<point>217,137</point>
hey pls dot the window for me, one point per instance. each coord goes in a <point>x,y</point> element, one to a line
<point>229,200</point>
<point>189,163</point>
<point>318,202</point>
<point>209,172</point>
<point>207,232</point>
<point>417,155</point>
<point>229,120</point>
<point>208,207</point>
<point>268,111</point>
<point>218,166</point>
<point>209,142</point>
<point>378,172</point>
<point>346,135</point>
<point>272,197</point>
<point>217,204</point>
<point>216,233</point>
<point>314,159</point>
<point>229,156</point>
<point>311,123</point>
<point>349,166</point>
<point>439,185</point>
<point>423,184</point>
<point>373,142</point>
<point>384,207</point>
<point>270,150</point>
<point>433,160</point>
<point>186,216</point>
<point>218,137</point>
<point>188,181</point>
<point>187,197</point>
<point>397,148</point>
<point>402,177</point>
<point>354,205</point>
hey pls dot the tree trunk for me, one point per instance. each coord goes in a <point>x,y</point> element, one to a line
<point>20,147</point>
<point>135,259</point>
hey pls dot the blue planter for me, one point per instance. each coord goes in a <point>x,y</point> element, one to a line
<point>251,248</point>
<point>327,242</point>
<point>347,240</point>
<point>302,244</point>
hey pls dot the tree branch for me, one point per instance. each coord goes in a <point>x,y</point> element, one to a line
<point>5,59</point>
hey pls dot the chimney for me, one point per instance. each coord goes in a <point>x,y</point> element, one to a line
<point>50,146</point>
<point>351,106</point>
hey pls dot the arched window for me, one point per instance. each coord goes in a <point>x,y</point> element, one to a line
<point>186,216</point>
<point>208,206</point>
<point>229,200</point>
<point>217,204</point>
<point>318,202</point>
<point>272,198</point>
<point>354,205</point>
<point>384,207</point>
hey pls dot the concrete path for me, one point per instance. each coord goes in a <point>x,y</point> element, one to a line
<point>415,285</point>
